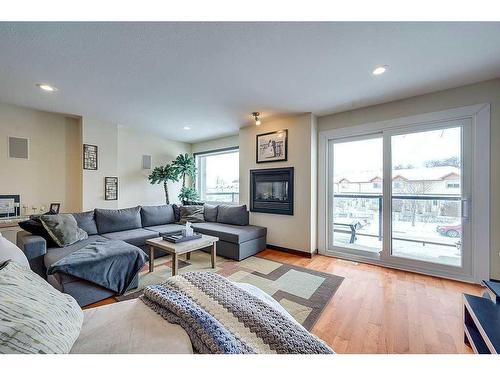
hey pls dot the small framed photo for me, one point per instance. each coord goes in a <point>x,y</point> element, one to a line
<point>90,157</point>
<point>55,207</point>
<point>272,146</point>
<point>111,188</point>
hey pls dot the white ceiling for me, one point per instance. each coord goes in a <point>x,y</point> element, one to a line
<point>160,77</point>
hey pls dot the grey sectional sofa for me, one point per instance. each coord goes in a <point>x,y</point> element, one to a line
<point>135,225</point>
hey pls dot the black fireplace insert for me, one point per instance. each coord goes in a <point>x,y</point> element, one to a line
<point>271,191</point>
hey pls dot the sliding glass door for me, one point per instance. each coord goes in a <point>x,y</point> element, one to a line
<point>357,194</point>
<point>402,196</point>
<point>429,195</point>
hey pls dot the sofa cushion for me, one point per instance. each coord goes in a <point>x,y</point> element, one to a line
<point>157,215</point>
<point>231,233</point>
<point>193,214</point>
<point>63,229</point>
<point>210,212</point>
<point>136,237</point>
<point>166,229</point>
<point>37,318</point>
<point>229,214</point>
<point>86,221</point>
<point>118,220</point>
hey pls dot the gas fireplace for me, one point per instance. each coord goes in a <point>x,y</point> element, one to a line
<point>271,191</point>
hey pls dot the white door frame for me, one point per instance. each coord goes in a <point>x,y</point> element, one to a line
<point>480,189</point>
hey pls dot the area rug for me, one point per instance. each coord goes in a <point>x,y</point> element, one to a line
<point>304,293</point>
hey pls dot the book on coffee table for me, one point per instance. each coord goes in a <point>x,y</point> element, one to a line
<point>177,238</point>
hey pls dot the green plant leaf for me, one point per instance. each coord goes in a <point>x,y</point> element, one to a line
<point>163,173</point>
<point>188,194</point>
<point>185,165</point>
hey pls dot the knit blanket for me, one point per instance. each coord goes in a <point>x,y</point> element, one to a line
<point>221,318</point>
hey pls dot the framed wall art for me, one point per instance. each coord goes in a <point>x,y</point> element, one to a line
<point>90,157</point>
<point>111,188</point>
<point>272,146</point>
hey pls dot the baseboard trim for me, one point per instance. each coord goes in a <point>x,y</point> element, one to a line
<point>290,251</point>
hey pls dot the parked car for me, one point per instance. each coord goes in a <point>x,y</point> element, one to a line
<point>454,230</point>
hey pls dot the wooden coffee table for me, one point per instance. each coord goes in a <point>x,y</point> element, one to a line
<point>180,248</point>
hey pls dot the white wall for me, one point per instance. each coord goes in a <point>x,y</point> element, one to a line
<point>484,92</point>
<point>297,232</point>
<point>215,144</point>
<point>120,155</point>
<point>53,172</point>
<point>105,137</point>
<point>134,187</point>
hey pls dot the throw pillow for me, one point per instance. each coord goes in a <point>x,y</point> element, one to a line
<point>193,214</point>
<point>236,215</point>
<point>177,212</point>
<point>36,318</point>
<point>9,251</point>
<point>211,212</point>
<point>63,229</point>
<point>192,203</point>
<point>35,227</point>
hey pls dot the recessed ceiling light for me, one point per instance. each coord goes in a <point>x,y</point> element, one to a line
<point>46,87</point>
<point>186,128</point>
<point>380,70</point>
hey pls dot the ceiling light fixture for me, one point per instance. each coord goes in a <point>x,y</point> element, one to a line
<point>186,128</point>
<point>256,118</point>
<point>46,87</point>
<point>380,70</point>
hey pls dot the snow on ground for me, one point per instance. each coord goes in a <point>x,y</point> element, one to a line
<point>446,250</point>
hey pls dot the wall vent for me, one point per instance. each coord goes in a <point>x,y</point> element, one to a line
<point>146,161</point>
<point>18,148</point>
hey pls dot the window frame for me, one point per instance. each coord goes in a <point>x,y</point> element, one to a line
<point>480,189</point>
<point>199,175</point>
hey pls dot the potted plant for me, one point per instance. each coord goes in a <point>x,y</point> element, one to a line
<point>163,174</point>
<point>184,166</point>
<point>188,194</point>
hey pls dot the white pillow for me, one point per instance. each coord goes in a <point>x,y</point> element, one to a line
<point>36,318</point>
<point>9,251</point>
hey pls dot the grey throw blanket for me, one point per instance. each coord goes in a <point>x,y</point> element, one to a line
<point>111,264</point>
<point>220,317</point>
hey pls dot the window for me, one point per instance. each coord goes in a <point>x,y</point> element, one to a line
<point>218,176</point>
<point>453,185</point>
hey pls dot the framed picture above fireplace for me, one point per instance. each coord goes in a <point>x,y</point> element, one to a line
<point>271,191</point>
<point>272,146</point>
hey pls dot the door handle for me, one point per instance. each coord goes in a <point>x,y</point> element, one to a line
<point>464,207</point>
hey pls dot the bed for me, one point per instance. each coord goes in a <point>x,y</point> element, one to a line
<point>130,327</point>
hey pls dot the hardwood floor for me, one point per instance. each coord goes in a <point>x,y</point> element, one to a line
<point>381,310</point>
